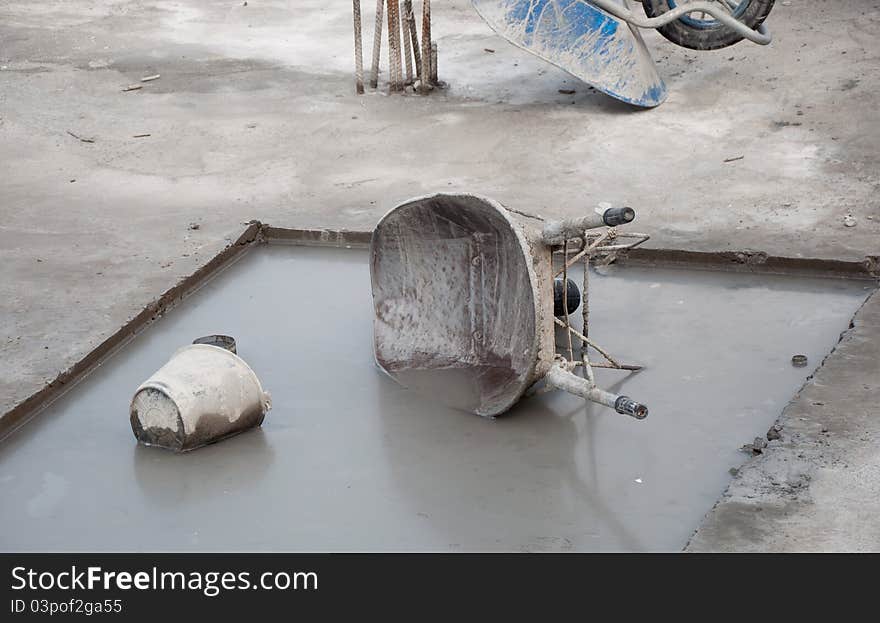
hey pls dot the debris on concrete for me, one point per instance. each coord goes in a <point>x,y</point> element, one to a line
<point>133,87</point>
<point>775,432</point>
<point>799,361</point>
<point>849,220</point>
<point>194,226</point>
<point>756,447</point>
<point>749,257</point>
<point>489,50</point>
<point>150,78</point>
<point>81,138</point>
<point>567,91</point>
<point>734,158</point>
<point>141,135</point>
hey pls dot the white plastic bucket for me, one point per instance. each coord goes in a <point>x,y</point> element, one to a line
<point>202,395</point>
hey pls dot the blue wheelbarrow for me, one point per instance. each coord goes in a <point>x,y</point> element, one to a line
<point>598,41</point>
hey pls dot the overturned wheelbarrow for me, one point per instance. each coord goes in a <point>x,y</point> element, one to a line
<point>463,297</point>
<point>598,41</point>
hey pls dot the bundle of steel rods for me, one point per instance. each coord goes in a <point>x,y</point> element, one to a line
<point>409,60</point>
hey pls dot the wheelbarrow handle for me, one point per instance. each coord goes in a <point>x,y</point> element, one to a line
<point>760,35</point>
<point>556,232</point>
<point>561,378</point>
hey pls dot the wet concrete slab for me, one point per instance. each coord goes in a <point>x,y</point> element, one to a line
<point>349,460</point>
<point>818,490</point>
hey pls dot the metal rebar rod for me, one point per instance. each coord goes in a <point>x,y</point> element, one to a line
<point>641,238</point>
<point>414,36</point>
<point>584,338</point>
<point>395,71</point>
<point>405,20</point>
<point>588,367</point>
<point>585,300</point>
<point>565,303</point>
<point>608,366</point>
<point>358,48</point>
<point>425,76</point>
<point>377,44</point>
<point>585,307</point>
<point>435,79</point>
<point>585,250</point>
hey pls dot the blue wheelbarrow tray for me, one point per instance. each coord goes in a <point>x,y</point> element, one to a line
<point>595,47</point>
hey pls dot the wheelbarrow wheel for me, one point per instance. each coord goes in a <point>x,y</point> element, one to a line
<point>700,31</point>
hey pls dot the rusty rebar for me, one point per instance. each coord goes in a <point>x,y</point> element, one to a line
<point>377,44</point>
<point>413,35</point>
<point>425,76</point>
<point>608,366</point>
<point>395,71</point>
<point>435,80</point>
<point>565,302</point>
<point>585,250</point>
<point>584,338</point>
<point>585,308</point>
<point>358,48</point>
<point>405,19</point>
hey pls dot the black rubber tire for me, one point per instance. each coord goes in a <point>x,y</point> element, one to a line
<point>713,38</point>
<point>573,295</point>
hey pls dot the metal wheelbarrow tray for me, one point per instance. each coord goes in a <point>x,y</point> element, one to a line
<point>598,41</point>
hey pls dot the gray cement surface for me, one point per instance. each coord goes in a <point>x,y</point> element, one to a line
<point>348,460</point>
<point>255,117</point>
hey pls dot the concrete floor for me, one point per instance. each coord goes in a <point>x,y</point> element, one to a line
<point>255,117</point>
